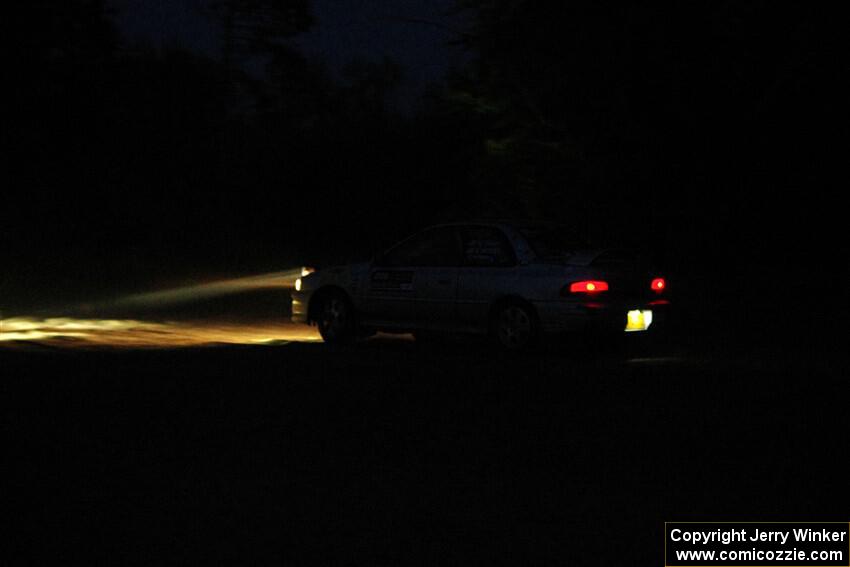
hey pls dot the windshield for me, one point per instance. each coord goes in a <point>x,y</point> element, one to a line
<point>552,241</point>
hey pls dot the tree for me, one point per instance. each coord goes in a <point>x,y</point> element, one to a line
<point>259,26</point>
<point>625,111</point>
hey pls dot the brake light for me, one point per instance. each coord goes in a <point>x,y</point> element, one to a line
<point>589,286</point>
<point>658,285</point>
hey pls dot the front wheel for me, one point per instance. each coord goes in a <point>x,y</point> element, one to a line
<point>335,318</point>
<point>514,326</point>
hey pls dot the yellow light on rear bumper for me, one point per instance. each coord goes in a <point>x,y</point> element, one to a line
<point>638,320</point>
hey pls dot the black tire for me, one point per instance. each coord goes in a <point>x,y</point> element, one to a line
<point>514,326</point>
<point>335,318</point>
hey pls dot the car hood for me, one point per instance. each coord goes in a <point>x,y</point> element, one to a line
<point>347,276</point>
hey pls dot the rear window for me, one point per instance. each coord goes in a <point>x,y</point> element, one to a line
<point>552,241</point>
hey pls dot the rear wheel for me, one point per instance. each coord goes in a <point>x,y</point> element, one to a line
<point>514,326</point>
<point>335,318</point>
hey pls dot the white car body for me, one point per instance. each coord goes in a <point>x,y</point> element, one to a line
<point>408,289</point>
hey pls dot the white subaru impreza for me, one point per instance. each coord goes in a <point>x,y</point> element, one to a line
<point>513,281</point>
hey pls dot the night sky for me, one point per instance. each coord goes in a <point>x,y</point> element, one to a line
<point>416,35</point>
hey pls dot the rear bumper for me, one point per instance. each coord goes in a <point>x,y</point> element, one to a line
<point>596,316</point>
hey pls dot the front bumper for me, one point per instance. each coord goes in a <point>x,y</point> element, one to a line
<point>300,304</point>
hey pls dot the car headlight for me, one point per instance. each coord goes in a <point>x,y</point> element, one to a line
<point>298,284</point>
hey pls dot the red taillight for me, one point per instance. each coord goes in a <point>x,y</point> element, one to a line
<point>658,284</point>
<point>589,286</point>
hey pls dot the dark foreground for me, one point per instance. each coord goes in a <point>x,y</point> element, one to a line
<point>392,453</point>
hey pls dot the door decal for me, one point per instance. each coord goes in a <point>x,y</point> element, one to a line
<point>392,280</point>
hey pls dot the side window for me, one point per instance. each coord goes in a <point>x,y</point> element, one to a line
<point>486,246</point>
<point>435,247</point>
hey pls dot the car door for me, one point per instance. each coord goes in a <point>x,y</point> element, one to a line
<point>388,297</point>
<point>435,280</point>
<point>414,283</point>
<point>488,271</point>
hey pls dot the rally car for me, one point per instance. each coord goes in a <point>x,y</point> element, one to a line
<point>512,281</point>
